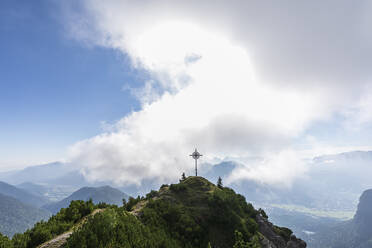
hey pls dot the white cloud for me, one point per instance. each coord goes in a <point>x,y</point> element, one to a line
<point>279,169</point>
<point>209,89</point>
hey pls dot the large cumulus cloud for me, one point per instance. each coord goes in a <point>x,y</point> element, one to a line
<point>235,78</point>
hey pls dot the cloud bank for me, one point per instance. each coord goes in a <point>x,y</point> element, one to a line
<point>235,79</point>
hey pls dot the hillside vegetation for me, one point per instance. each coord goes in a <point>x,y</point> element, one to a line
<point>43,231</point>
<point>193,213</point>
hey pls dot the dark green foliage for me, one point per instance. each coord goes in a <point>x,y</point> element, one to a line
<point>284,232</point>
<point>174,219</point>
<point>230,211</point>
<point>196,212</point>
<point>263,213</point>
<point>116,228</point>
<point>177,187</point>
<point>152,194</point>
<point>131,203</point>
<point>5,242</point>
<point>241,243</point>
<point>102,205</point>
<point>57,224</point>
<point>183,178</point>
<point>164,186</point>
<point>219,183</point>
<point>20,240</point>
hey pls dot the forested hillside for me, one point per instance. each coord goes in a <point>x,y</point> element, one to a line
<point>193,213</point>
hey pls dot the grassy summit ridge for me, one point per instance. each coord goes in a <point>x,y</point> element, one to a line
<point>201,213</point>
<point>192,213</point>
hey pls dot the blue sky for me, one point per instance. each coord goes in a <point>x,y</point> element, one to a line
<point>54,90</point>
<point>239,79</point>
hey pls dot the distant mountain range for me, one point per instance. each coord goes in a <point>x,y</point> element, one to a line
<point>56,181</point>
<point>17,217</point>
<point>105,194</point>
<point>38,174</point>
<point>22,195</point>
<point>20,209</point>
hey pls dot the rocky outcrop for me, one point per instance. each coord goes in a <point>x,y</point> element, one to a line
<point>294,242</point>
<point>272,239</point>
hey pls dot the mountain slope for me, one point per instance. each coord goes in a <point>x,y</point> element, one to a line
<point>38,173</point>
<point>51,192</point>
<point>363,218</point>
<point>16,217</point>
<point>193,213</point>
<point>105,194</point>
<point>355,233</point>
<point>22,195</point>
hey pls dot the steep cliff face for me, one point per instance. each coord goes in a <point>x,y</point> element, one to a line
<point>271,238</point>
<point>362,221</point>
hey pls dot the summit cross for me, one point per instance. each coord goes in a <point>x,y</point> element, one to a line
<point>196,155</point>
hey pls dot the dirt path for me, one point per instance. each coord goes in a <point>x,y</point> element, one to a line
<point>57,241</point>
<point>60,240</point>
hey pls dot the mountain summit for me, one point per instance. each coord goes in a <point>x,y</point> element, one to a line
<point>197,213</point>
<point>193,213</point>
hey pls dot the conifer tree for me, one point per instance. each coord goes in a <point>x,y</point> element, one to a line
<point>219,183</point>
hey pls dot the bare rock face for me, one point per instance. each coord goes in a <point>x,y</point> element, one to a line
<point>273,240</point>
<point>294,242</point>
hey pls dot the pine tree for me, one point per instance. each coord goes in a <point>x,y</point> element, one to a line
<point>263,213</point>
<point>183,177</point>
<point>219,183</point>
